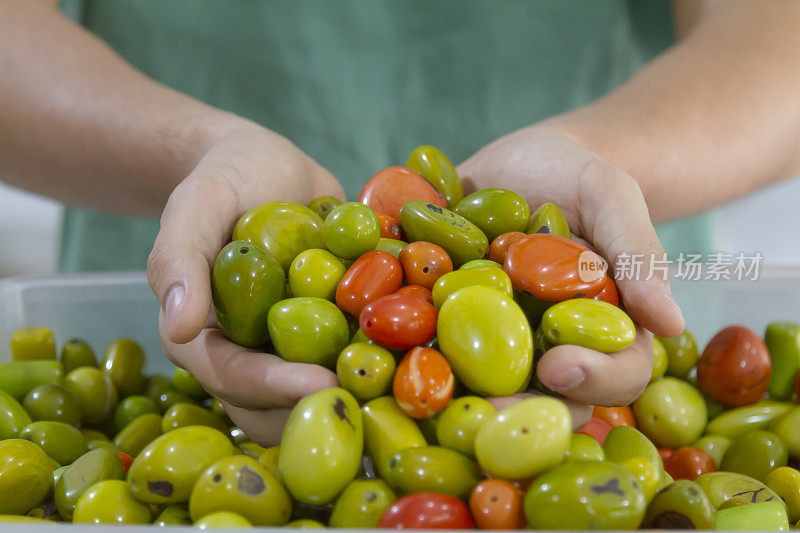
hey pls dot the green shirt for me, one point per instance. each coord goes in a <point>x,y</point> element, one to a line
<point>357,84</point>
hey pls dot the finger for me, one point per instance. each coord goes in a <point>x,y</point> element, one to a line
<point>596,378</point>
<point>263,427</point>
<point>579,413</point>
<point>246,378</point>
<point>197,220</point>
<point>614,217</point>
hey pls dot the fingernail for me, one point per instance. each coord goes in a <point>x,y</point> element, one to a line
<point>174,301</point>
<point>568,380</point>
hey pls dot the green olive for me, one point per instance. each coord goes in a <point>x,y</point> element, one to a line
<point>783,343</point>
<point>431,163</point>
<point>323,205</point>
<point>77,353</point>
<point>92,467</point>
<point>245,283</point>
<point>681,505</point>
<point>157,385</point>
<point>480,263</point>
<point>321,445</point>
<point>785,482</point>
<point>282,229</point>
<point>739,420</point>
<point>788,429</point>
<point>548,218</point>
<point>582,447</point>
<point>449,283</point>
<point>171,397</point>
<point>239,484</point>
<point>131,408</point>
<point>101,443</point>
<point>52,402</point>
<point>167,468</point>
<point>681,352</point>
<point>124,362</point>
<point>316,273</point>
<point>365,370</point>
<point>174,515</point>
<point>459,423</point>
<point>95,393</point>
<point>140,432</point>
<point>361,504</point>
<point>93,434</point>
<point>224,519</point>
<point>671,413</point>
<point>351,230</point>
<point>391,246</point>
<point>388,430</point>
<point>13,418</point>
<point>17,378</point>
<point>33,344</point>
<point>585,495</point>
<point>487,340</point>
<point>217,409</point>
<point>110,502</point>
<point>26,477</point>
<point>462,240</point>
<point>433,469</point>
<point>764,516</point>
<point>269,459</point>
<point>625,445</point>
<point>755,454</point>
<point>524,439</point>
<point>187,414</point>
<point>495,211</point>
<point>723,486</point>
<point>308,330</point>
<point>61,441</point>
<point>183,381</point>
<point>713,445</point>
<point>660,360</point>
<point>251,449</point>
<point>593,324</point>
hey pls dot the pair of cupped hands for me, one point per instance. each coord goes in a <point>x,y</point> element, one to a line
<point>603,205</point>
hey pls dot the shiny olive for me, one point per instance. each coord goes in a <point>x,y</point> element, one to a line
<point>246,281</point>
<point>723,486</point>
<point>680,505</point>
<point>785,482</point>
<point>625,445</point>
<point>392,246</point>
<point>52,402</point>
<point>524,439</point>
<point>459,423</point>
<point>739,420</point>
<point>92,467</point>
<point>715,446</point>
<point>755,454</point>
<point>479,263</point>
<point>487,340</point>
<point>681,352</point>
<point>449,283</point>
<point>361,504</point>
<point>787,428</point>
<point>171,397</point>
<point>131,408</point>
<point>77,353</point>
<point>351,230</point>
<point>316,273</point>
<point>183,381</point>
<point>124,362</point>
<point>660,360</point>
<point>26,477</point>
<point>593,324</point>
<point>308,330</point>
<point>95,393</point>
<point>222,519</point>
<point>495,211</point>
<point>765,516</point>
<point>251,449</point>
<point>269,459</point>
<point>548,218</point>
<point>167,468</point>
<point>217,409</point>
<point>462,240</point>
<point>585,495</point>
<point>110,502</point>
<point>323,205</point>
<point>186,414</point>
<point>282,229</point>
<point>321,445</point>
<point>783,342</point>
<point>433,469</point>
<point>61,441</point>
<point>365,370</point>
<point>671,413</point>
<point>241,485</point>
<point>437,169</point>
<point>388,430</point>
<point>174,515</point>
<point>17,378</point>
<point>582,447</point>
<point>33,344</point>
<point>13,418</point>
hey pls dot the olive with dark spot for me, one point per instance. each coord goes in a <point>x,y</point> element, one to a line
<point>680,505</point>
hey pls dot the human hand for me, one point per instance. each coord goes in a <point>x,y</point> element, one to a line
<point>243,169</point>
<point>605,208</point>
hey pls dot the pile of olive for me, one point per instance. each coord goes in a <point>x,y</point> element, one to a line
<point>424,302</point>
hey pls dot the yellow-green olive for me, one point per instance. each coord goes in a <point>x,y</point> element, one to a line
<point>12,417</point>
<point>63,442</point>
<point>449,283</point>
<point>138,434</point>
<point>110,502</point>
<point>92,467</point>
<point>95,392</point>
<point>33,344</point>
<point>459,423</point>
<point>589,323</point>
<point>388,430</point>
<point>26,477</point>
<point>77,353</point>
<point>187,414</point>
<point>124,363</point>
<point>361,504</point>
<point>548,218</point>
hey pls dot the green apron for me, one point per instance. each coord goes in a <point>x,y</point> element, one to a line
<point>357,84</point>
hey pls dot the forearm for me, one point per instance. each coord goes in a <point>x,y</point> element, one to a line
<point>79,124</point>
<point>714,118</point>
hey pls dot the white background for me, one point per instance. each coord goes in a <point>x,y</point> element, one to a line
<point>766,222</point>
